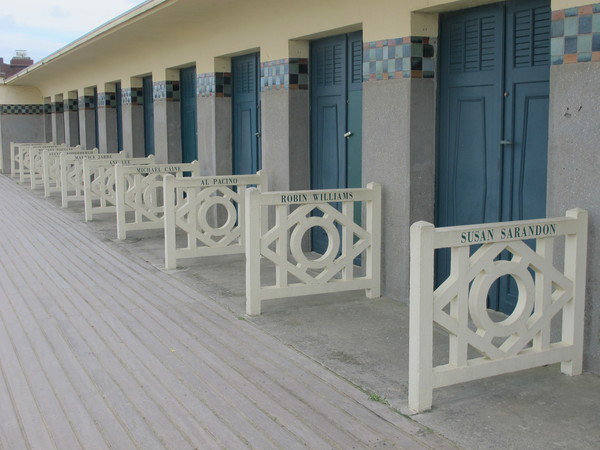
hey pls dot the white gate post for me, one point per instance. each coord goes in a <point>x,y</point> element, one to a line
<point>575,269</point>
<point>373,227</point>
<point>420,377</point>
<point>253,231</point>
<point>170,233</point>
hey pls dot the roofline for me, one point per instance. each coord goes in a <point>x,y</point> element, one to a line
<point>91,35</point>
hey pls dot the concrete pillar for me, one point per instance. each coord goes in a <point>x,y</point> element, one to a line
<point>58,120</point>
<point>167,117</point>
<point>87,118</point>
<point>47,119</point>
<point>573,165</point>
<point>285,123</point>
<point>133,117</point>
<point>107,119</point>
<point>398,151</point>
<point>214,122</point>
<point>71,116</point>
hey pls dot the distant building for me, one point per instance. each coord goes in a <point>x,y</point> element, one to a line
<point>17,63</point>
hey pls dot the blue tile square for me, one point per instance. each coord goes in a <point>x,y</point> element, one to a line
<point>557,46</point>
<point>391,65</point>
<point>585,24</point>
<point>406,64</point>
<point>596,42</point>
<point>416,50</point>
<point>406,50</point>
<point>596,8</point>
<point>571,44</point>
<point>399,51</point>
<point>556,60</point>
<point>571,26</point>
<point>584,43</point>
<point>557,28</point>
<point>596,23</point>
<point>379,54</point>
<point>584,57</point>
<point>569,12</point>
<point>428,65</point>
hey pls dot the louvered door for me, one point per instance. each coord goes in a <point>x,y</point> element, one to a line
<point>246,117</point>
<point>189,125</point>
<point>336,116</point>
<point>493,119</point>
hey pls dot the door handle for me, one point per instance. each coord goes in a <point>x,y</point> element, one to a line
<point>348,134</point>
<point>504,142</point>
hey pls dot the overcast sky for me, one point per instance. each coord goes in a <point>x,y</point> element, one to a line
<point>43,26</point>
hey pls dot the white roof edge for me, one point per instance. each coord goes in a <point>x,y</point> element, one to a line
<point>105,27</point>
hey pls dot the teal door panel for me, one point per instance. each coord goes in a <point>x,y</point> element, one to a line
<point>119,100</point>
<point>246,113</point>
<point>189,124</point>
<point>492,122</point>
<point>336,118</point>
<point>525,122</point>
<point>148,94</point>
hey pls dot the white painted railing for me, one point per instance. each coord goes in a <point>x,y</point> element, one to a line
<point>36,162</point>
<point>71,174</point>
<point>51,168</point>
<point>19,158</point>
<point>99,183</point>
<point>191,213</point>
<point>139,189</point>
<point>280,245</point>
<point>479,346</point>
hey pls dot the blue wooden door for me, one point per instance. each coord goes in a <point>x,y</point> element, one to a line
<point>148,93</point>
<point>246,113</point>
<point>336,117</point>
<point>189,135</point>
<point>493,120</point>
<point>119,100</point>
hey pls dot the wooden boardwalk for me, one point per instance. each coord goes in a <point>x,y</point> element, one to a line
<point>99,350</point>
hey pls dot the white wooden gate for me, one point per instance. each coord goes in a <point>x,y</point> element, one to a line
<point>478,345</point>
<point>99,183</point>
<point>298,272</point>
<point>36,163</point>
<point>190,213</point>
<point>19,158</point>
<point>51,168</point>
<point>71,174</point>
<point>139,189</point>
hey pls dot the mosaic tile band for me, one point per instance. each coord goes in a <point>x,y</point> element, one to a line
<point>408,57</point>
<point>58,107</point>
<point>213,84</point>
<point>575,35</point>
<point>107,100</point>
<point>86,102</point>
<point>166,91</point>
<point>71,104</point>
<point>290,73</point>
<point>23,109</point>
<point>132,96</point>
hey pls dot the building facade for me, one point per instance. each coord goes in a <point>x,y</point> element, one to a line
<point>465,111</point>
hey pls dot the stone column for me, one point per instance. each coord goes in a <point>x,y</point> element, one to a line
<point>214,122</point>
<point>87,118</point>
<point>398,148</point>
<point>573,165</point>
<point>133,117</point>
<point>167,117</point>
<point>285,123</point>
<point>47,119</point>
<point>107,119</point>
<point>58,120</point>
<point>71,116</point>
